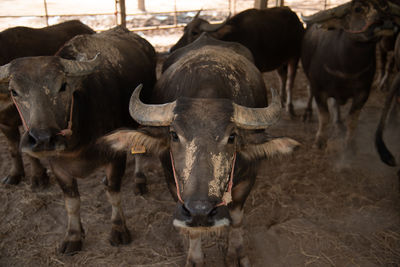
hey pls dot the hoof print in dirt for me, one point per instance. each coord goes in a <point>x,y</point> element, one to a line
<point>70,247</point>
<point>120,237</point>
<point>11,179</point>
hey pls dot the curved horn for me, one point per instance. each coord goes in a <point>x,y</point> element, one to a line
<point>207,27</point>
<point>197,14</point>
<point>150,115</point>
<point>394,9</point>
<point>78,68</point>
<point>4,72</point>
<point>258,118</point>
<point>325,15</point>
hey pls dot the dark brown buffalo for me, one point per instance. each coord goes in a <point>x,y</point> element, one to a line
<point>273,36</point>
<point>393,96</point>
<point>208,125</point>
<point>338,56</point>
<point>22,42</point>
<point>67,101</point>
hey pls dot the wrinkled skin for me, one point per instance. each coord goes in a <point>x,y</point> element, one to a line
<point>21,42</point>
<point>202,144</point>
<point>347,71</point>
<point>273,36</point>
<point>67,104</point>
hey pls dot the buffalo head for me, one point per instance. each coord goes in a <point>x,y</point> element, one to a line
<point>206,145</point>
<point>364,19</point>
<point>194,29</point>
<point>42,89</point>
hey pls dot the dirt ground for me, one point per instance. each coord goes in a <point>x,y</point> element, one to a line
<point>314,208</point>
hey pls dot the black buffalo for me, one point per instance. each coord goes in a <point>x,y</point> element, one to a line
<point>22,42</point>
<point>338,56</point>
<point>394,93</point>
<point>207,123</point>
<point>273,36</point>
<point>66,102</point>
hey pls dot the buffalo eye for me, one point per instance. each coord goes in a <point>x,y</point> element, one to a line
<point>174,136</point>
<point>14,93</point>
<point>231,138</point>
<point>63,87</point>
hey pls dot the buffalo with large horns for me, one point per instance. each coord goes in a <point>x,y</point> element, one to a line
<point>273,36</point>
<point>338,56</point>
<point>23,42</point>
<point>207,122</point>
<point>67,101</point>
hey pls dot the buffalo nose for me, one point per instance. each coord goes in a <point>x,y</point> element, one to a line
<point>41,139</point>
<point>199,213</point>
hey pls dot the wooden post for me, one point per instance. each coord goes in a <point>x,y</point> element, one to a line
<point>46,13</point>
<point>175,14</point>
<point>116,12</point>
<point>260,4</point>
<point>280,2</point>
<point>123,12</point>
<point>141,5</point>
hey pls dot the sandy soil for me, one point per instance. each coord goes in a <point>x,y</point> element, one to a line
<point>315,208</point>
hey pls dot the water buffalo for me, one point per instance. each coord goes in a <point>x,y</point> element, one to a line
<point>394,93</point>
<point>207,122</point>
<point>338,56</point>
<point>273,35</point>
<point>22,42</point>
<point>66,102</point>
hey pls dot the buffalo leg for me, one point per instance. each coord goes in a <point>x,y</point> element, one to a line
<point>195,256</point>
<point>291,70</point>
<point>39,177</point>
<point>9,122</point>
<point>282,72</point>
<point>140,187</point>
<point>308,111</point>
<point>236,253</point>
<point>73,238</point>
<point>352,119</point>
<point>119,232</point>
<point>323,121</point>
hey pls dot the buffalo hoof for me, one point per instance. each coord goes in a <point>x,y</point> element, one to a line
<point>307,116</point>
<point>12,179</point>
<point>320,144</point>
<point>70,247</point>
<point>231,261</point>
<point>120,236</point>
<point>140,189</point>
<point>40,181</point>
<point>190,263</point>
<point>290,110</point>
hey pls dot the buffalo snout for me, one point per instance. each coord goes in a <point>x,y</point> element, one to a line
<point>38,140</point>
<point>201,213</point>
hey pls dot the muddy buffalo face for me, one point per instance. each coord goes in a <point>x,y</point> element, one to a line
<point>364,19</point>
<point>205,141</point>
<point>42,89</point>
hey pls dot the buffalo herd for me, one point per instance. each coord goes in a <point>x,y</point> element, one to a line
<point>84,99</point>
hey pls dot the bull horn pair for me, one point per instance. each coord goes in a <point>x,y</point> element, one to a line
<point>71,67</point>
<point>243,117</point>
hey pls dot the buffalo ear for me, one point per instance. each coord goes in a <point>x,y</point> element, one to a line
<point>259,145</point>
<point>149,139</point>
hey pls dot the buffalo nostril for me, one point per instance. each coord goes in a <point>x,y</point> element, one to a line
<point>213,212</point>
<point>185,211</point>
